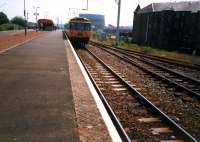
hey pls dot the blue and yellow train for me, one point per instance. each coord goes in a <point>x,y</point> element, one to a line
<point>79,30</point>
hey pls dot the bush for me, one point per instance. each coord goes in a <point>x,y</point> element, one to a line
<point>9,26</point>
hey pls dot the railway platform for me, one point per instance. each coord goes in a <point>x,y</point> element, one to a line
<point>44,97</point>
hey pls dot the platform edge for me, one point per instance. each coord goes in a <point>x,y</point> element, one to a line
<point>108,122</point>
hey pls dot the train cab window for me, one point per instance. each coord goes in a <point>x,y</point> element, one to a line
<point>77,26</point>
<point>87,26</point>
<point>80,26</point>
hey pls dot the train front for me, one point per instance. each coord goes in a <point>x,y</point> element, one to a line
<point>79,30</point>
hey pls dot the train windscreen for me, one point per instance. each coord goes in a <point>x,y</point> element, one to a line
<point>80,26</point>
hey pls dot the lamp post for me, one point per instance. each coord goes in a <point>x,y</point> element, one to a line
<point>36,14</point>
<point>86,7</point>
<point>25,30</point>
<point>87,4</point>
<point>118,20</point>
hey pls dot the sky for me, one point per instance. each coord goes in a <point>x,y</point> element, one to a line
<point>62,10</point>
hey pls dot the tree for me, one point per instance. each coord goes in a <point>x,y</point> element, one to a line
<point>3,18</point>
<point>18,20</point>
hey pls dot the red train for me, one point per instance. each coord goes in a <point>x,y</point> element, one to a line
<point>46,25</point>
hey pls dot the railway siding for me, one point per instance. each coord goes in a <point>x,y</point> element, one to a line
<point>181,81</point>
<point>96,69</point>
<point>163,95</point>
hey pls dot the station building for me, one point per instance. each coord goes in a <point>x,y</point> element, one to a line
<point>171,26</point>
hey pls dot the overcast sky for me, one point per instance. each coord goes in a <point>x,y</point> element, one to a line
<point>62,10</point>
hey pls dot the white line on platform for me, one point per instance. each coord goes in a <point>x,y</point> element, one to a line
<point>110,126</point>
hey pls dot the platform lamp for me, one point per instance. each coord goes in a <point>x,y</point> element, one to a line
<point>36,14</point>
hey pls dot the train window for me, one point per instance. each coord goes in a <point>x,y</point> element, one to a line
<point>87,26</point>
<point>80,26</point>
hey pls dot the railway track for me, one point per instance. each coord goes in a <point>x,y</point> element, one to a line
<point>191,72</point>
<point>181,82</point>
<point>194,67</point>
<point>138,118</point>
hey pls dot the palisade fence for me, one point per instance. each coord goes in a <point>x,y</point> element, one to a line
<point>168,29</point>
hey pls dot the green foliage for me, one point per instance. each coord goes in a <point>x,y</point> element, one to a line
<point>9,26</point>
<point>122,43</point>
<point>3,18</point>
<point>5,27</point>
<point>157,52</point>
<point>18,20</point>
<point>162,53</point>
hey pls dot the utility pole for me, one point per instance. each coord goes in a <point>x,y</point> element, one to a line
<point>74,11</point>
<point>27,21</point>
<point>27,17</point>
<point>25,30</point>
<point>36,14</point>
<point>86,6</point>
<point>57,22</point>
<point>118,20</point>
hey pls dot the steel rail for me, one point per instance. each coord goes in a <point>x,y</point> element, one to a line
<point>123,135</point>
<point>111,113</point>
<point>154,57</point>
<point>159,66</point>
<point>129,60</point>
<point>149,105</point>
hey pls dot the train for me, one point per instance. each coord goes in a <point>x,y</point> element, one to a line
<point>79,30</point>
<point>45,25</point>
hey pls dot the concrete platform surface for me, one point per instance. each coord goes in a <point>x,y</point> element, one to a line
<point>36,102</point>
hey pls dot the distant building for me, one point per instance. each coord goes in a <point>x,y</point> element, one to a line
<point>98,21</point>
<point>172,26</point>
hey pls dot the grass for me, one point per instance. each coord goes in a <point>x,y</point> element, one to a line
<point>155,51</point>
